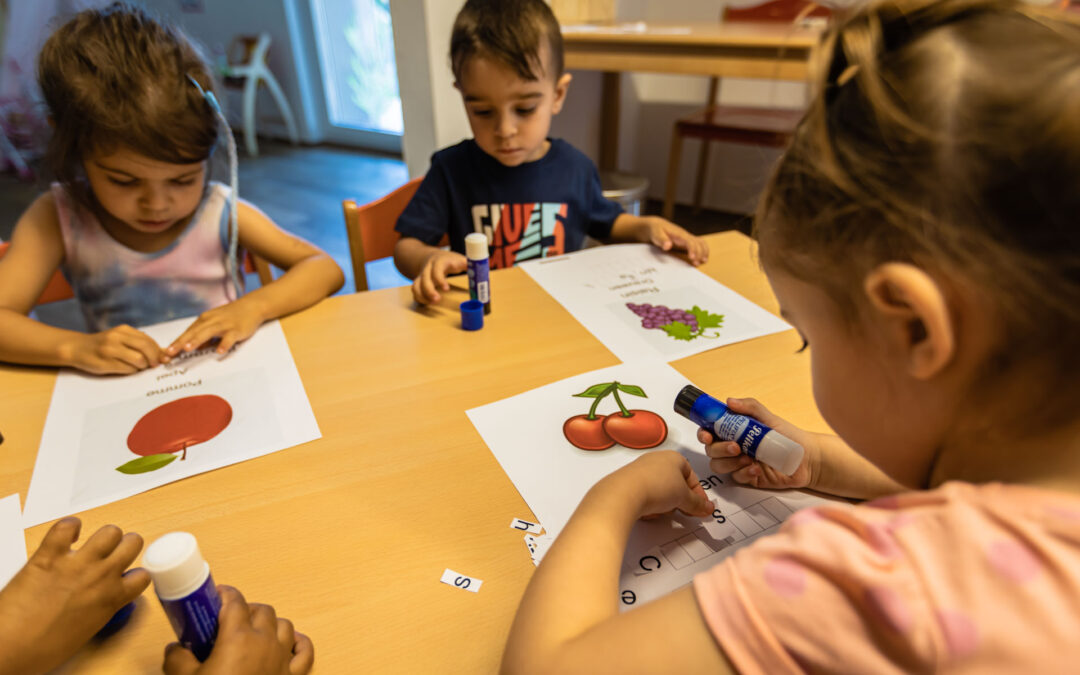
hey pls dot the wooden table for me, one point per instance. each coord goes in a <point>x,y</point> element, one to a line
<point>348,535</point>
<point>733,49</point>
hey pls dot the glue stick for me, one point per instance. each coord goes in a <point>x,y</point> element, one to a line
<point>476,250</point>
<point>186,590</point>
<point>757,441</point>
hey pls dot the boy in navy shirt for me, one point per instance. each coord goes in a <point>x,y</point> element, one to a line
<point>531,195</point>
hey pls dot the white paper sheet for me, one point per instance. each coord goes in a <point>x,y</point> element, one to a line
<point>528,437</point>
<point>599,285</point>
<point>12,539</point>
<point>86,437</point>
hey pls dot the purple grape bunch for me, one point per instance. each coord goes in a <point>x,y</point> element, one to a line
<point>658,316</point>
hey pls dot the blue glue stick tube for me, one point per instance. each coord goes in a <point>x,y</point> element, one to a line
<point>186,590</point>
<point>478,269</point>
<point>758,441</point>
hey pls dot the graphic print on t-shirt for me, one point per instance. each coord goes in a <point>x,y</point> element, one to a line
<point>520,232</point>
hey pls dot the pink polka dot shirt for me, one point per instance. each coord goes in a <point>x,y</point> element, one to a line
<point>964,579</point>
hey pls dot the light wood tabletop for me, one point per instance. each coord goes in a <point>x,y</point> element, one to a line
<point>761,50</point>
<point>348,535</point>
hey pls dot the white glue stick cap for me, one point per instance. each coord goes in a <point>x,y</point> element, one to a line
<point>780,452</point>
<point>176,565</point>
<point>476,246</point>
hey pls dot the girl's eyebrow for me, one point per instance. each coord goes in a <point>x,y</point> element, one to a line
<point>129,175</point>
<point>522,97</point>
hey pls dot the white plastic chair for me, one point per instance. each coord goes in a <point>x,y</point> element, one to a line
<point>253,72</point>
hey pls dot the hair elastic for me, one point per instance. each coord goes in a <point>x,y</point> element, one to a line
<point>234,224</point>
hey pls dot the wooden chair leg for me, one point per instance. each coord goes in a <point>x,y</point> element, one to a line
<point>674,157</point>
<point>702,170</point>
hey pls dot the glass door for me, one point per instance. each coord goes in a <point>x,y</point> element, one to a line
<point>355,46</point>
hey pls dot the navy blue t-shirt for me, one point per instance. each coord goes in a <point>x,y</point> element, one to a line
<point>535,210</point>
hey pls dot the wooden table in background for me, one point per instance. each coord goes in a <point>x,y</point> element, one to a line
<point>348,535</point>
<point>734,49</point>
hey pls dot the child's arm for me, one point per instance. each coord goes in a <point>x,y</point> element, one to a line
<point>36,251</point>
<point>427,266</point>
<point>568,620</point>
<point>61,598</point>
<point>251,640</point>
<point>829,465</point>
<point>663,234</point>
<point>310,275</point>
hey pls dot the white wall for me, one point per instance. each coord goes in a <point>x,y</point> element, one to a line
<point>221,20</point>
<point>434,116</point>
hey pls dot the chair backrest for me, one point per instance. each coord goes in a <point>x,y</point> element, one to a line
<point>57,289</point>
<point>779,11</point>
<point>370,228</point>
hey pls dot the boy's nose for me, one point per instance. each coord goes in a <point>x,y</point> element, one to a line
<point>506,127</point>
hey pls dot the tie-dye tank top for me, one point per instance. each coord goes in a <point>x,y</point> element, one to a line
<point>116,285</point>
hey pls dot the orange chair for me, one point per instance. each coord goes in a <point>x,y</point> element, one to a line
<point>370,228</point>
<point>770,127</point>
<point>58,287</point>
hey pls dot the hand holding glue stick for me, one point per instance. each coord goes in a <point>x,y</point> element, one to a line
<point>756,440</point>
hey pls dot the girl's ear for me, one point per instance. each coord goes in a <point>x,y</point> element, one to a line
<point>911,308</point>
<point>560,93</point>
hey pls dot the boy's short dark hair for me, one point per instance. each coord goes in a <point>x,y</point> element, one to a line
<point>510,32</point>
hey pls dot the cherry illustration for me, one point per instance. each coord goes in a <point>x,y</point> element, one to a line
<point>175,426</point>
<point>636,429</point>
<point>587,432</point>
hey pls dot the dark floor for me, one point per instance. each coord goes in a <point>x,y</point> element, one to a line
<point>301,189</point>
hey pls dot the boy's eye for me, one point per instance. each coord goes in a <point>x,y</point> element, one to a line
<point>121,182</point>
<point>526,111</point>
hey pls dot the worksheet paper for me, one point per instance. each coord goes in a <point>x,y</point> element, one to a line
<point>614,292</point>
<point>111,437</point>
<point>12,539</point>
<point>536,437</point>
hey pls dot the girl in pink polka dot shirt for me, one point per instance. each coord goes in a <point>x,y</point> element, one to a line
<point>921,234</point>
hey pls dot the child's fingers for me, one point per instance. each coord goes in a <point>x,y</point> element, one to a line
<point>705,436</point>
<point>418,290</point>
<point>754,408</point>
<point>179,661</point>
<point>126,551</point>
<point>427,284</point>
<point>438,274</point>
<point>103,542</point>
<point>264,618</point>
<point>134,582</point>
<point>660,239</point>
<point>286,633</point>
<point>234,608</point>
<point>303,655</point>
<point>723,449</point>
<point>144,344</point>
<point>229,339</point>
<point>59,538</point>
<point>730,465</point>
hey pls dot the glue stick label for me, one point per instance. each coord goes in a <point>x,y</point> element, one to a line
<point>479,283</point>
<point>194,618</point>
<point>745,431</point>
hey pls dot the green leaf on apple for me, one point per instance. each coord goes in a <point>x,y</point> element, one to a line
<point>705,319</point>
<point>147,463</point>
<point>679,331</point>
<point>633,390</point>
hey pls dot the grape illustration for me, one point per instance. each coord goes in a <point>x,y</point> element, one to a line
<point>680,324</point>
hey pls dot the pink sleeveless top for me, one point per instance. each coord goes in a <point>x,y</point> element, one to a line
<point>116,285</point>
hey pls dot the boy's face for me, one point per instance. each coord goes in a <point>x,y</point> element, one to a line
<point>510,117</point>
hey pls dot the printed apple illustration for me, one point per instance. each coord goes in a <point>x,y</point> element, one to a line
<point>174,427</point>
<point>636,429</point>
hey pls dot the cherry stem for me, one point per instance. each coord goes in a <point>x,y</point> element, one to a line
<point>596,401</point>
<point>615,393</point>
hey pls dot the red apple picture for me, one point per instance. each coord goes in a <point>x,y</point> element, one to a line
<point>174,427</point>
<point>636,429</point>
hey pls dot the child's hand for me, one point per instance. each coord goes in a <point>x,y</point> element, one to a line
<point>251,639</point>
<point>663,481</point>
<point>432,278</point>
<point>727,457</point>
<point>120,350</point>
<point>667,236</point>
<point>231,323</point>
<point>61,598</point>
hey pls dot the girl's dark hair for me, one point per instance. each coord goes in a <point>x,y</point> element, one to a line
<point>510,32</point>
<point>118,77</point>
<point>945,133</point>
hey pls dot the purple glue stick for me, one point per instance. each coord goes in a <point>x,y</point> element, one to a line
<point>186,590</point>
